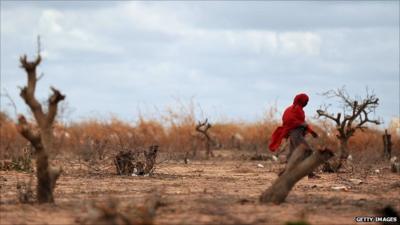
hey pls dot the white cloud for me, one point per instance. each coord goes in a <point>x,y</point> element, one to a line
<point>49,21</point>
<point>300,43</point>
<point>151,17</point>
<point>224,53</point>
<point>68,31</point>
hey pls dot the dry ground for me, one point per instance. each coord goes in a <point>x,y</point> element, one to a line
<point>218,191</point>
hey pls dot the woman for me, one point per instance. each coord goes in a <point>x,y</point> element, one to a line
<point>295,128</point>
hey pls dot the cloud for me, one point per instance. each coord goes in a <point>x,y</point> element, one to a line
<point>294,43</point>
<point>233,57</point>
<point>294,16</point>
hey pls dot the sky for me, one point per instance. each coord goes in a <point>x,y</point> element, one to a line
<point>233,59</point>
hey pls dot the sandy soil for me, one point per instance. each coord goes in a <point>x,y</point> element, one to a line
<point>217,191</point>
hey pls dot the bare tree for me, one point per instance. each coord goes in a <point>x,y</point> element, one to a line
<point>356,115</point>
<point>42,138</point>
<point>202,127</point>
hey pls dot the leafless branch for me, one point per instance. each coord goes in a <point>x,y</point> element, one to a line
<point>355,113</point>
<point>26,131</point>
<point>54,99</point>
<point>12,103</point>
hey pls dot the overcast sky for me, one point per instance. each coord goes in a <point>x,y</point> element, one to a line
<point>234,59</point>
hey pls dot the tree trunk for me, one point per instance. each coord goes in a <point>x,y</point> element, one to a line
<point>46,175</point>
<point>344,149</point>
<point>280,189</point>
<point>44,190</point>
<point>42,140</point>
<point>387,145</point>
<point>208,149</point>
<point>202,127</point>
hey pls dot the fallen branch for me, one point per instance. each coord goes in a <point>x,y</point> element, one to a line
<point>280,189</point>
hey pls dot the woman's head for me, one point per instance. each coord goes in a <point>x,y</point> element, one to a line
<point>301,99</point>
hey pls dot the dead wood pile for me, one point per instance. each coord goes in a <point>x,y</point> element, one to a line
<point>130,162</point>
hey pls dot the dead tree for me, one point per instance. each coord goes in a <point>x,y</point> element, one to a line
<point>42,138</point>
<point>281,187</point>
<point>387,145</point>
<point>355,116</point>
<point>202,127</point>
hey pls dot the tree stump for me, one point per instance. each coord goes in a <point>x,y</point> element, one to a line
<point>280,189</point>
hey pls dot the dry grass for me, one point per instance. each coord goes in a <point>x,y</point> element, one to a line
<point>94,140</point>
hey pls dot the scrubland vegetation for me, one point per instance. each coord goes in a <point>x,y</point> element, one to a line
<point>96,139</point>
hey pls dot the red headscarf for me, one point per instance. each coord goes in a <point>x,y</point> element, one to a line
<point>292,118</point>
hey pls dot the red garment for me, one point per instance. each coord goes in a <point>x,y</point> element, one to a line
<point>292,118</point>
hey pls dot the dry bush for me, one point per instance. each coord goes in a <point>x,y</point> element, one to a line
<point>225,132</point>
<point>87,139</point>
<point>366,149</point>
<point>257,134</point>
<point>180,123</point>
<point>131,163</point>
<point>15,151</point>
<point>11,142</point>
<point>95,140</point>
<point>121,135</point>
<point>22,163</point>
<point>150,132</point>
<point>369,144</point>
